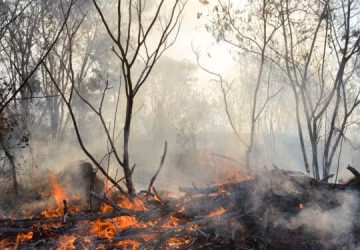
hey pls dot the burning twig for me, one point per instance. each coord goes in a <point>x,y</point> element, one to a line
<point>66,209</point>
<point>143,215</point>
<point>157,196</point>
<point>104,199</point>
<point>197,220</point>
<point>74,218</point>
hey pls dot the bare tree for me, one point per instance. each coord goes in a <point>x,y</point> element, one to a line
<point>130,49</point>
<point>320,63</point>
<point>315,44</point>
<point>228,25</point>
<point>139,42</point>
<point>20,60</point>
<point>57,61</point>
<point>11,94</point>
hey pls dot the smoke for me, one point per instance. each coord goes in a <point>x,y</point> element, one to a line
<point>337,222</point>
<point>181,105</point>
<point>47,189</point>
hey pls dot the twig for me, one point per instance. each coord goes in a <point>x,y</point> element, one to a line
<point>122,178</point>
<point>353,171</point>
<point>159,169</point>
<point>104,199</point>
<point>228,158</point>
<point>325,179</point>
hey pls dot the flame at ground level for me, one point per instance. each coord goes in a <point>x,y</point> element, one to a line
<point>114,232</point>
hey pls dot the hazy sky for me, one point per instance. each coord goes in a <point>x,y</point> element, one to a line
<point>193,32</point>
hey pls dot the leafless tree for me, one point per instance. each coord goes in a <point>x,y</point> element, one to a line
<point>227,25</point>
<point>320,64</point>
<point>315,44</point>
<point>130,49</point>
<point>139,42</point>
<point>11,94</point>
<point>20,60</point>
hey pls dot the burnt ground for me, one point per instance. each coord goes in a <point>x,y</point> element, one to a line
<point>275,209</point>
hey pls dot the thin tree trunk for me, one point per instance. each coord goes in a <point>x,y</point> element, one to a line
<point>315,162</point>
<point>127,171</point>
<point>12,165</point>
<point>331,132</point>
<point>293,87</point>
<point>253,112</point>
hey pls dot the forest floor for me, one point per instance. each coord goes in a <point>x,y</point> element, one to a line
<point>275,209</point>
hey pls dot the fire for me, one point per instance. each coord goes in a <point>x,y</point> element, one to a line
<point>109,228</point>
<point>57,191</point>
<point>227,174</point>
<point>223,169</point>
<point>177,243</point>
<point>301,206</point>
<point>172,222</point>
<point>135,204</point>
<point>217,212</point>
<point>60,196</point>
<point>66,242</point>
<point>23,237</point>
<point>129,245</point>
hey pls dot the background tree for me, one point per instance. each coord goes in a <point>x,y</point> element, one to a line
<point>20,59</point>
<point>138,43</point>
<point>313,47</point>
<point>320,56</point>
<point>254,34</point>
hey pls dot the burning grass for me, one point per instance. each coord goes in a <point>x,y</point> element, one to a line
<point>270,211</point>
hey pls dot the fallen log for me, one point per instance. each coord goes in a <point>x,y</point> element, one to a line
<point>215,189</point>
<point>4,223</point>
<point>141,215</point>
<point>37,229</point>
<point>11,230</point>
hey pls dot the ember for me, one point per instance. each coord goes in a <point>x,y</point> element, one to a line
<point>23,237</point>
<point>195,220</point>
<point>89,91</point>
<point>66,242</point>
<point>217,213</point>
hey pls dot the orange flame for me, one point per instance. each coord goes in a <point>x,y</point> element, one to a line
<point>58,194</point>
<point>129,245</point>
<point>109,228</point>
<point>217,212</point>
<point>172,222</point>
<point>66,242</point>
<point>177,243</point>
<point>105,228</point>
<point>23,237</point>
<point>57,191</point>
